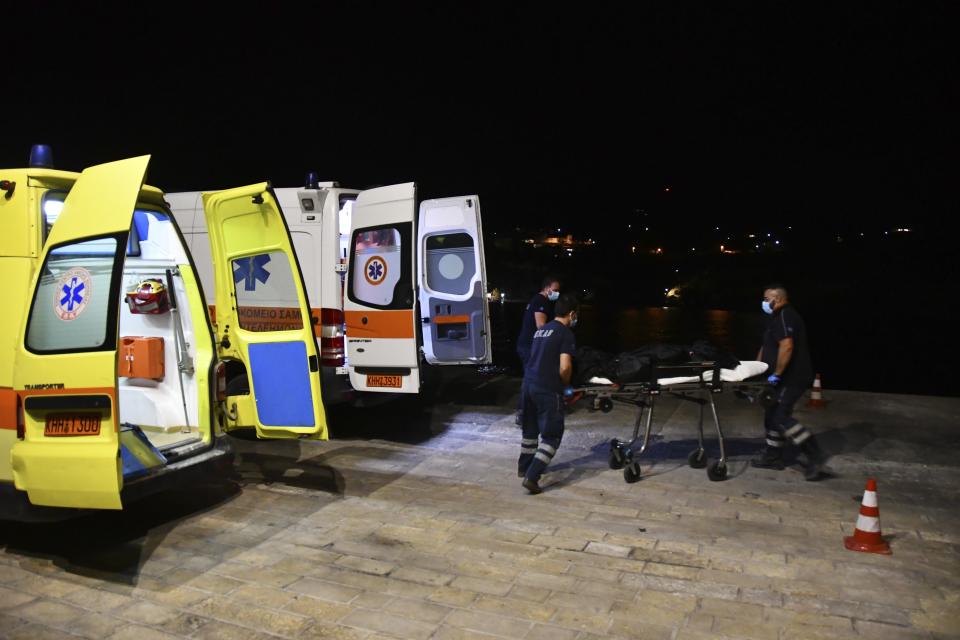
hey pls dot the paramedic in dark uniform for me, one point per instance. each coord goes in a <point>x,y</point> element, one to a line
<point>539,312</point>
<point>548,372</point>
<point>790,373</point>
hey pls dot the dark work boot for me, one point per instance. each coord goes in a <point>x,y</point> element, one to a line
<point>815,459</point>
<point>769,458</point>
<point>532,486</point>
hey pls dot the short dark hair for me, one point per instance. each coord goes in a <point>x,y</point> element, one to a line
<point>548,280</point>
<point>776,286</point>
<point>565,304</point>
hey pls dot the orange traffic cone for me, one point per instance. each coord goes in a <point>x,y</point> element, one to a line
<point>866,535</point>
<point>816,396</point>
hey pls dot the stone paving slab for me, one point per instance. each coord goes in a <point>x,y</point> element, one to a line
<point>416,527</point>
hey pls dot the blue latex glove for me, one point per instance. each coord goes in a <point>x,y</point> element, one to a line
<point>568,392</point>
<point>774,379</point>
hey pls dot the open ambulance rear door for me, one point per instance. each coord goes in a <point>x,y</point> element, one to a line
<point>263,315</point>
<point>68,449</point>
<point>415,279</point>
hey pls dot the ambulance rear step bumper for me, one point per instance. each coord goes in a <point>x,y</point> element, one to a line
<point>214,463</point>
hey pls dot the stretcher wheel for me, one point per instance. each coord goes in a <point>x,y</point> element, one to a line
<point>616,459</point>
<point>717,471</point>
<point>631,473</point>
<point>697,459</point>
<point>605,405</point>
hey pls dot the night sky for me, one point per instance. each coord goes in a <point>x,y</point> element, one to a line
<point>841,117</point>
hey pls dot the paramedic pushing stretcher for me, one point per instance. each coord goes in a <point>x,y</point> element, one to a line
<point>785,352</point>
<point>547,373</point>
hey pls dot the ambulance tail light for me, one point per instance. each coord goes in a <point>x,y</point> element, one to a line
<point>331,338</point>
<point>21,421</point>
<point>221,373</point>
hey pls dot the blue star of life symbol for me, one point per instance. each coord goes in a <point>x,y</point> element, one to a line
<point>376,270</point>
<point>72,294</point>
<point>250,270</point>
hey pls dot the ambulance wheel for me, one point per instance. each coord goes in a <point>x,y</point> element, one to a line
<point>606,405</point>
<point>631,473</point>
<point>615,460</point>
<point>717,471</point>
<point>697,459</point>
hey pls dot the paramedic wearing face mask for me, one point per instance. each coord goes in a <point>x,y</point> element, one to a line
<point>791,374</point>
<point>539,312</point>
<point>547,374</point>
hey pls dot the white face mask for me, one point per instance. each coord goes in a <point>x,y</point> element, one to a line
<point>553,295</point>
<point>767,307</point>
<point>573,321</point>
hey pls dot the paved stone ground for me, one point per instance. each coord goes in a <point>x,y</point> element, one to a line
<point>412,524</point>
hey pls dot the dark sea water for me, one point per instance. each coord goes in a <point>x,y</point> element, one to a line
<point>865,352</point>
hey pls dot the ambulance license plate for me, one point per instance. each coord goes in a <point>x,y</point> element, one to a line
<point>390,382</point>
<point>72,424</point>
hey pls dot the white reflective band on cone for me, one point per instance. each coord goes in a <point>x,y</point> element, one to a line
<point>868,524</point>
<point>869,498</point>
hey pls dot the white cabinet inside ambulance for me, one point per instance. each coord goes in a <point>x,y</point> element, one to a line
<point>391,290</point>
<point>109,370</point>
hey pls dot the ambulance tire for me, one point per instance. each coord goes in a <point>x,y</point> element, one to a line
<point>606,405</point>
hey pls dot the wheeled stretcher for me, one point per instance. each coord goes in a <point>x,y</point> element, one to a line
<point>695,382</point>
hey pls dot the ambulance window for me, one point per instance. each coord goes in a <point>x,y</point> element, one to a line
<point>345,222</point>
<point>266,293</point>
<point>450,263</point>
<point>72,301</point>
<point>53,206</point>
<point>346,212</point>
<point>380,267</point>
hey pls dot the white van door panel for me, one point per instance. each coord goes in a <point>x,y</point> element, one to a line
<point>452,282</point>
<point>380,306</point>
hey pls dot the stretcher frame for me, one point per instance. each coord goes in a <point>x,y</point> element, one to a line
<point>643,395</point>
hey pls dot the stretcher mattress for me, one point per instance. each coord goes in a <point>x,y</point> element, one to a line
<point>744,371</point>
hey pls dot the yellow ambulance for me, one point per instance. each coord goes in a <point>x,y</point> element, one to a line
<point>112,379</point>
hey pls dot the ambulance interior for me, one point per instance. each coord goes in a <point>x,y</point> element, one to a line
<point>157,376</point>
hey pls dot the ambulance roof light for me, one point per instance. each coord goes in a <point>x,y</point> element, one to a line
<point>41,156</point>
<point>312,182</point>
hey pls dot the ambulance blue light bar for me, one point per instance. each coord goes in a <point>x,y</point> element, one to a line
<point>41,156</point>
